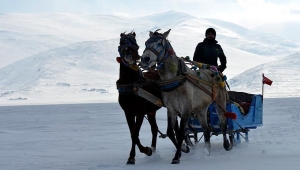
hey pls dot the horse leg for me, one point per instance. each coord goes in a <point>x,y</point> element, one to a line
<point>131,124</point>
<point>206,133</point>
<point>184,148</point>
<point>176,128</point>
<point>181,135</point>
<point>223,125</point>
<point>202,118</point>
<point>227,145</point>
<point>170,128</point>
<point>135,136</point>
<point>154,129</point>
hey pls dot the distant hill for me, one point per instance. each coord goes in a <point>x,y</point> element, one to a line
<point>81,72</point>
<point>288,30</point>
<point>285,74</point>
<point>23,35</point>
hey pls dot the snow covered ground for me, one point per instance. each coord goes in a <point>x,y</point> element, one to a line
<point>96,137</point>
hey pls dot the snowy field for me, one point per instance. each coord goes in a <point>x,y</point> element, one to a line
<point>58,95</point>
<point>96,137</point>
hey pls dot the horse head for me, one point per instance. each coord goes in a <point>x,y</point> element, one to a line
<point>158,48</point>
<point>128,48</point>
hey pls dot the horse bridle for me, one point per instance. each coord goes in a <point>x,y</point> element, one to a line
<point>165,48</point>
<point>129,42</point>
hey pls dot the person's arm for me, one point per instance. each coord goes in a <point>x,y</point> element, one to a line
<point>197,54</point>
<point>223,60</point>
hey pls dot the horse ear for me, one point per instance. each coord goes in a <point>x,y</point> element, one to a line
<point>133,34</point>
<point>150,34</point>
<point>165,34</point>
<point>122,34</point>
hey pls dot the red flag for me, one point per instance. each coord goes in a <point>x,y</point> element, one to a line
<point>267,81</point>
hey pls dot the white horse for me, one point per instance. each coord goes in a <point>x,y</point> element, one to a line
<point>184,92</point>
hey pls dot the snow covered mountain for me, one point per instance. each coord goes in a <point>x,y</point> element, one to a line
<point>81,72</point>
<point>284,73</point>
<point>289,29</point>
<point>23,35</point>
<point>70,58</point>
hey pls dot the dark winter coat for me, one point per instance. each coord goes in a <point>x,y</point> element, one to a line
<point>208,52</point>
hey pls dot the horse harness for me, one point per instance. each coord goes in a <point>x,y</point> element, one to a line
<point>182,76</point>
<point>136,88</point>
<point>174,83</point>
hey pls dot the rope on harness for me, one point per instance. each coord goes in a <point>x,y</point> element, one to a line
<point>161,134</point>
<point>196,81</point>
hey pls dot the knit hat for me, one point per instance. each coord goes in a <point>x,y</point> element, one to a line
<point>210,30</point>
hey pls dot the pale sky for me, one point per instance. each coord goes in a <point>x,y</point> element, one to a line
<point>247,13</point>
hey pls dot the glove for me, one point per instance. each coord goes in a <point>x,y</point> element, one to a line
<point>221,68</point>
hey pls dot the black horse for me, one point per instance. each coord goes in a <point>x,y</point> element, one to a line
<point>135,107</point>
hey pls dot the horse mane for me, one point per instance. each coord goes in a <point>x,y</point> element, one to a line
<point>156,32</point>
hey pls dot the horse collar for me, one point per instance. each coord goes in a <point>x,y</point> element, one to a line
<point>134,67</point>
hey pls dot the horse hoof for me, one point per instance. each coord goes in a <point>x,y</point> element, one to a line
<point>149,153</point>
<point>230,147</point>
<point>207,148</point>
<point>153,149</point>
<point>185,148</point>
<point>227,145</point>
<point>175,161</point>
<point>207,151</point>
<point>130,162</point>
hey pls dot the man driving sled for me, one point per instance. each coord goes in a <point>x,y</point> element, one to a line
<point>209,51</point>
